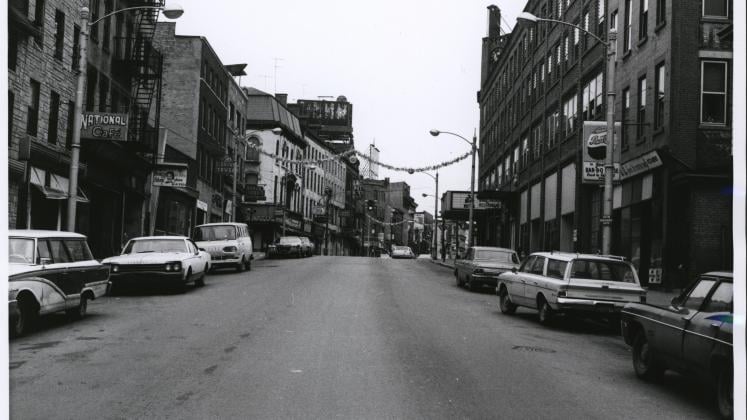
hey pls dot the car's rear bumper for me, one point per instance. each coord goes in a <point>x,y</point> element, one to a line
<point>484,280</point>
<point>588,305</point>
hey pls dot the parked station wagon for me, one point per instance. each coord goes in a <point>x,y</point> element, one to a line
<point>555,282</point>
<point>693,336</point>
<point>50,271</point>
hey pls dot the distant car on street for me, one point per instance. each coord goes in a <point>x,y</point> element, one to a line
<point>481,266</point>
<point>559,282</point>
<point>693,336</point>
<point>308,246</point>
<point>286,246</point>
<point>402,252</point>
<point>172,260</point>
<point>229,244</point>
<point>50,271</point>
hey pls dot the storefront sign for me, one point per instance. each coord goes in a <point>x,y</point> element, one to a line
<point>595,146</point>
<point>293,223</point>
<point>104,126</point>
<point>170,175</point>
<point>640,164</point>
<point>201,205</point>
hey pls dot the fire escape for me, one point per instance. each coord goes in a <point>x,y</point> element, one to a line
<point>136,59</point>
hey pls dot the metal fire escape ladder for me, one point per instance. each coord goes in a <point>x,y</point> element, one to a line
<point>146,80</point>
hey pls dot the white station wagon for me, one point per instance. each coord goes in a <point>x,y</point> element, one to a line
<point>556,282</point>
<point>50,271</point>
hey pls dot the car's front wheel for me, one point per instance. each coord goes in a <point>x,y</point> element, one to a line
<point>24,321</point>
<point>241,265</point>
<point>507,307</point>
<point>725,391</point>
<point>644,361</point>
<point>201,281</point>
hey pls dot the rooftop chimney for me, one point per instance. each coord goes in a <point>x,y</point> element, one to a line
<point>282,98</point>
<point>494,21</point>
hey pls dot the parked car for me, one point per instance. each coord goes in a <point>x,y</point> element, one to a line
<point>402,252</point>
<point>308,246</point>
<point>229,244</point>
<point>50,271</point>
<point>173,260</point>
<point>286,246</point>
<point>693,336</point>
<point>556,282</point>
<point>481,266</point>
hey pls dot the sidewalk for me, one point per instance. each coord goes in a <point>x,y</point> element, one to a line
<point>653,297</point>
<point>258,255</point>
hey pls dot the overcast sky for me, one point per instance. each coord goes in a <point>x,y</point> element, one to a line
<point>406,66</point>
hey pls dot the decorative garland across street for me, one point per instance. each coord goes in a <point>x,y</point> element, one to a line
<point>411,170</point>
<point>348,154</point>
<point>373,219</point>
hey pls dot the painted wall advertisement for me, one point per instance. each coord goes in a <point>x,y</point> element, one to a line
<point>170,175</point>
<point>595,148</point>
<point>104,126</point>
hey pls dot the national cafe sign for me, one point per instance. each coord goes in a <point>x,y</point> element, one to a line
<point>104,126</point>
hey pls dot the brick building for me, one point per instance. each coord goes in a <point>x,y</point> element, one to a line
<point>543,80</point>
<point>123,76</point>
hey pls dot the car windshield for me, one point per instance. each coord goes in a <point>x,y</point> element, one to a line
<point>155,245</point>
<point>289,240</point>
<point>401,248</point>
<point>21,251</point>
<point>496,255</point>
<point>214,233</point>
<point>602,270</point>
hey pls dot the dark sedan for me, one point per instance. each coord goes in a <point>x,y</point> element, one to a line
<point>693,336</point>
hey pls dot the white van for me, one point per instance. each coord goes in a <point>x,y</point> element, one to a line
<point>229,244</point>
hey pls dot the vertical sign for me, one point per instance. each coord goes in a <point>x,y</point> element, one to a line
<point>595,147</point>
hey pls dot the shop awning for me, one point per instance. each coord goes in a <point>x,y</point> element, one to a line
<point>54,194</point>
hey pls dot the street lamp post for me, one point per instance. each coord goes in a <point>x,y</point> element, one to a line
<point>171,12</point>
<point>435,214</point>
<point>473,145</point>
<point>610,47</point>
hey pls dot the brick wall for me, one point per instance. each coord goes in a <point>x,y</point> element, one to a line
<point>180,88</point>
<point>710,229</point>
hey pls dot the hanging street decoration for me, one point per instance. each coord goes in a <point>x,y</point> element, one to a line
<point>350,155</point>
<point>375,220</point>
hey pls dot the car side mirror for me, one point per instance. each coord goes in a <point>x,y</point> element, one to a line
<point>45,261</point>
<point>201,249</point>
<point>675,302</point>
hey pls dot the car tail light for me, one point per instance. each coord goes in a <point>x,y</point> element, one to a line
<point>643,298</point>
<point>478,271</point>
<point>562,293</point>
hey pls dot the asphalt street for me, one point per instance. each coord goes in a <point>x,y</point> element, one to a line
<point>331,337</point>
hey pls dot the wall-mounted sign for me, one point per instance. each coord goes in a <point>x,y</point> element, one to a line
<point>201,205</point>
<point>170,175</point>
<point>104,126</point>
<point>595,148</point>
<point>640,164</point>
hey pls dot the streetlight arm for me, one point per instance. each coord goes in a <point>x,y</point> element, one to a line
<point>457,135</point>
<point>124,10</point>
<point>575,26</point>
